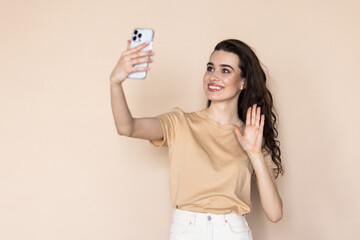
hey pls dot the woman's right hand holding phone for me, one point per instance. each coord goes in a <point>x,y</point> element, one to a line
<point>126,125</point>
<point>128,59</point>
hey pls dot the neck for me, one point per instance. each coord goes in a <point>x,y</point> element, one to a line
<point>223,112</point>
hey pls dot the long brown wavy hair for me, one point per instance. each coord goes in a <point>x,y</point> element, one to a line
<point>255,92</point>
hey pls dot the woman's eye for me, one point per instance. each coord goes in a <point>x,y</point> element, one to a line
<point>209,69</point>
<point>226,71</point>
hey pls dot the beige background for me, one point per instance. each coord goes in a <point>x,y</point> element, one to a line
<point>66,174</point>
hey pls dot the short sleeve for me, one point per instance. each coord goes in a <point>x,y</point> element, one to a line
<point>268,161</point>
<point>170,122</point>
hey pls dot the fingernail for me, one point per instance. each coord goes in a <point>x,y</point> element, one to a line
<point>152,53</point>
<point>149,67</point>
<point>147,42</point>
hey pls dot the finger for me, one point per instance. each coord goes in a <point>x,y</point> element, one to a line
<point>139,69</point>
<point>141,60</point>
<point>128,44</point>
<point>237,131</point>
<point>142,54</point>
<point>139,54</point>
<point>248,116</point>
<point>253,112</point>
<point>257,120</point>
<point>138,48</point>
<point>262,123</point>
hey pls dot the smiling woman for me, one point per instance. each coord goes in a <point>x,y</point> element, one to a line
<point>222,77</point>
<point>253,90</point>
<point>215,151</point>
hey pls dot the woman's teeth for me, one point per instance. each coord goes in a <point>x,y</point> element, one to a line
<point>215,87</point>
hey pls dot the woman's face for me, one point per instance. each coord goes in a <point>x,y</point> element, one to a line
<point>222,79</point>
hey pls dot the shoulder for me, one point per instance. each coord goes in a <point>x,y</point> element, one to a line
<point>185,115</point>
<point>172,116</point>
<point>177,110</point>
<point>179,114</point>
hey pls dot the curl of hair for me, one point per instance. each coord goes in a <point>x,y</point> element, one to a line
<point>255,92</point>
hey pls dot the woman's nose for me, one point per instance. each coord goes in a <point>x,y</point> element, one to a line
<point>214,76</point>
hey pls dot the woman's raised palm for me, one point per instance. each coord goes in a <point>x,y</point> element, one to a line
<point>253,132</point>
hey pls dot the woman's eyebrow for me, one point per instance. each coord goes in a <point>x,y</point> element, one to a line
<point>222,65</point>
<point>225,65</point>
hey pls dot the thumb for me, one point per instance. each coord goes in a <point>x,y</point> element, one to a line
<point>237,132</point>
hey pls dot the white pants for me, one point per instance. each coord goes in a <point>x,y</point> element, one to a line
<point>187,225</point>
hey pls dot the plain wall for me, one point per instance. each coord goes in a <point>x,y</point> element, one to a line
<point>66,174</point>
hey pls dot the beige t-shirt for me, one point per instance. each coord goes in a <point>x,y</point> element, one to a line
<point>209,170</point>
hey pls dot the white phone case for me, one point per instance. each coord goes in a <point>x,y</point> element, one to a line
<point>139,36</point>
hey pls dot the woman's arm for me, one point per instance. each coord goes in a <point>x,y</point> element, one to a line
<point>269,195</point>
<point>145,128</point>
<point>251,142</point>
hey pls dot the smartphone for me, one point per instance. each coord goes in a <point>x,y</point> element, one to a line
<point>139,36</point>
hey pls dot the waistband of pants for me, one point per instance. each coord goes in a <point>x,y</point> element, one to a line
<point>184,215</point>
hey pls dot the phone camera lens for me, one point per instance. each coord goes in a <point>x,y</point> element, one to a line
<point>140,35</point>
<point>135,32</point>
<point>134,38</point>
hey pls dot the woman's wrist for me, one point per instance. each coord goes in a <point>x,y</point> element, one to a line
<point>115,84</point>
<point>254,154</point>
<point>256,158</point>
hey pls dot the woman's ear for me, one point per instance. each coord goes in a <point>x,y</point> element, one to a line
<point>243,85</point>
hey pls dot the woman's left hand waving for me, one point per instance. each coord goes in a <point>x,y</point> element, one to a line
<point>253,133</point>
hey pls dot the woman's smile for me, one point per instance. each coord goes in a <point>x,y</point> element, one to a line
<point>212,87</point>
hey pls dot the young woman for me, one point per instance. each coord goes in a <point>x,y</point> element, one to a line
<point>213,152</point>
